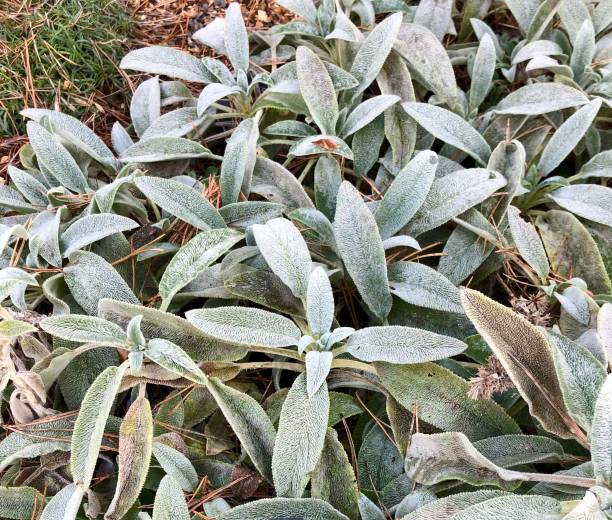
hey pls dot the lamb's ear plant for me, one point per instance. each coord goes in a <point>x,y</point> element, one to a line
<point>254,305</point>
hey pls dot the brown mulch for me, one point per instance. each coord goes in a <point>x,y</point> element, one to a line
<point>158,22</point>
<point>172,22</point>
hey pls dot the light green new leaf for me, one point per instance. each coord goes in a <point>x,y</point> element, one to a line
<point>427,60</point>
<point>173,358</point>
<point>443,402</point>
<point>362,250</point>
<point>167,61</point>
<point>574,302</point>
<point>436,458</point>
<point>191,259</point>
<point>366,112</point>
<point>601,434</point>
<point>60,361</point>
<point>602,16</point>
<point>604,326</point>
<point>344,29</point>
<point>400,241</point>
<point>589,201</point>
<point>512,507</point>
<point>317,90</point>
<point>568,136</point>
<point>401,345</point>
<point>573,14</point>
<point>84,329</point>
<point>236,38</point>
<point>319,302</point>
<point>28,185</point>
<point>91,228</point>
<point>333,479</point>
<point>318,223</point>
<point>436,16</point>
<point>286,252</point>
<point>599,166</point>
<point>11,199</point>
<point>373,52</point>
<point>535,49</point>
<point>91,278</point>
<point>15,328</point>
<point>64,505</point>
<point>176,465</point>
<point>541,98</point>
<point>452,195</point>
<point>250,423</point>
<point>156,149</point>
<point>584,48</point>
<point>341,79</point>
<point>450,128</point>
<point>482,71</point>
<point>78,134</point>
<point>523,11</point>
<point>580,377</point>
<point>145,106</point>
<point>56,159</point>
<point>135,448</point>
<point>238,161</point>
<point>106,196</point>
<point>527,357</point>
<point>90,423</point>
<point>212,93</point>
<point>318,365</point>
<point>423,286</point>
<point>181,201</point>
<point>542,18</point>
<point>528,243</point>
<point>13,277</point>
<point>303,8</point>
<point>300,438</point>
<point>170,501</point>
<point>369,510</point>
<point>44,236</point>
<point>212,35</point>
<point>120,138</point>
<point>287,508</point>
<point>246,326</point>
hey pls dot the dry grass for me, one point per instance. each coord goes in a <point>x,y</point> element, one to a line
<point>62,87</point>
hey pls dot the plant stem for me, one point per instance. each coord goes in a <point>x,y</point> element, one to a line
<point>568,480</point>
<point>284,365</point>
<point>355,365</point>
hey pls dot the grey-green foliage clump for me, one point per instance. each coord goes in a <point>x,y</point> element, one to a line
<point>255,306</point>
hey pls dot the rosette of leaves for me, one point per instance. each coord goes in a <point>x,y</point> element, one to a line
<point>256,291</point>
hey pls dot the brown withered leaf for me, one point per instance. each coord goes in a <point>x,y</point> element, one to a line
<point>135,445</point>
<point>525,354</point>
